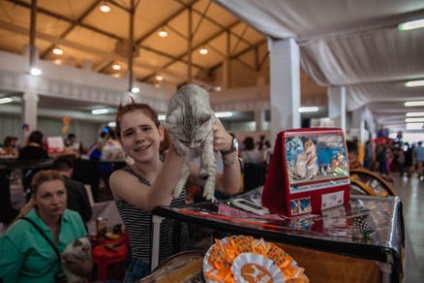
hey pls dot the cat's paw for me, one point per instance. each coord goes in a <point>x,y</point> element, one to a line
<point>203,174</point>
<point>209,195</point>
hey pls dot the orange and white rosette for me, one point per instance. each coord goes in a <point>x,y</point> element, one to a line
<point>248,260</point>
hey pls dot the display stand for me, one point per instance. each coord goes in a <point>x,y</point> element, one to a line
<point>368,228</point>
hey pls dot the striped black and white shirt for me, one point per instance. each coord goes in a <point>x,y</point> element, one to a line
<point>173,234</point>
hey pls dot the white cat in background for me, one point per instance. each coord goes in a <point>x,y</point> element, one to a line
<point>189,121</point>
<point>78,249</point>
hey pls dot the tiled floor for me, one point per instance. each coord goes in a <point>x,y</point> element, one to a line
<point>411,193</point>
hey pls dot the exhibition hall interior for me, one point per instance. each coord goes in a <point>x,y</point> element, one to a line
<point>344,72</point>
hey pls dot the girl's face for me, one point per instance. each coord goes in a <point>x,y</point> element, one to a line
<point>140,138</point>
<point>50,199</point>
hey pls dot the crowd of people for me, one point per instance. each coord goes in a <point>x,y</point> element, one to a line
<point>399,158</point>
<point>59,205</point>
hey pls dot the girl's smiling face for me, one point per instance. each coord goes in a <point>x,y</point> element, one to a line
<point>140,137</point>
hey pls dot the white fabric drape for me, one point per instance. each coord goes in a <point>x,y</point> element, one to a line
<point>346,42</point>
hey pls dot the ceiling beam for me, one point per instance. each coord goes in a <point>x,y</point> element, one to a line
<point>54,15</point>
<point>87,49</point>
<point>178,58</point>
<point>72,26</point>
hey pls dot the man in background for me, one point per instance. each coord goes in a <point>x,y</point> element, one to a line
<point>77,195</point>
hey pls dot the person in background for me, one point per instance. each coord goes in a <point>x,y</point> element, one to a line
<point>352,154</point>
<point>419,155</point>
<point>77,195</point>
<point>409,159</point>
<point>368,155</point>
<point>150,182</point>
<point>34,148</point>
<point>382,159</point>
<point>73,145</point>
<point>250,154</point>
<point>9,146</point>
<point>106,151</point>
<point>400,159</point>
<point>26,254</point>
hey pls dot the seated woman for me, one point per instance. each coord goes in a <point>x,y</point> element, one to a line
<point>9,146</point>
<point>34,148</point>
<point>26,255</point>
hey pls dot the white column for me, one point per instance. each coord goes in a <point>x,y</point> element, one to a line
<point>337,106</point>
<point>259,118</point>
<point>29,112</point>
<point>284,85</point>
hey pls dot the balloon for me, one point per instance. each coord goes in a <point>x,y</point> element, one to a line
<point>66,120</point>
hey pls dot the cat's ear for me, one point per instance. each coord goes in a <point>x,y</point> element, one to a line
<point>172,118</point>
<point>203,118</point>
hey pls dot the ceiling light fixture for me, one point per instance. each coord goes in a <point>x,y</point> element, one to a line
<point>35,71</point>
<point>414,114</point>
<point>414,83</point>
<point>4,100</point>
<point>414,103</point>
<point>411,25</point>
<point>308,109</point>
<point>163,33</point>
<point>57,51</point>
<point>223,114</point>
<point>161,117</point>
<point>99,111</point>
<point>414,126</point>
<point>116,67</point>
<point>203,50</point>
<point>414,120</point>
<point>159,77</point>
<point>105,7</point>
<point>135,90</point>
<point>112,124</point>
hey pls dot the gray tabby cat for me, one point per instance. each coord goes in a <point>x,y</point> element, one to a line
<point>190,122</point>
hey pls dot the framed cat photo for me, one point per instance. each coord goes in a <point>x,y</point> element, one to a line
<point>309,172</point>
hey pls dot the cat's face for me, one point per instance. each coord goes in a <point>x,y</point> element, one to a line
<point>80,248</point>
<point>188,129</point>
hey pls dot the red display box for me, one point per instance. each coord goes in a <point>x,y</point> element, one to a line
<point>309,172</point>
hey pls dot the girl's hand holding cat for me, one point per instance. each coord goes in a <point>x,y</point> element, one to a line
<point>222,140</point>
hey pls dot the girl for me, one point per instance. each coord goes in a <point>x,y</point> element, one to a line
<point>149,183</point>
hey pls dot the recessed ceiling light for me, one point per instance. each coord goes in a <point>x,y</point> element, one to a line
<point>159,77</point>
<point>411,25</point>
<point>163,33</point>
<point>414,103</point>
<point>116,67</point>
<point>135,90</point>
<point>203,50</point>
<point>308,109</point>
<point>414,83</point>
<point>105,7</point>
<point>57,51</point>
